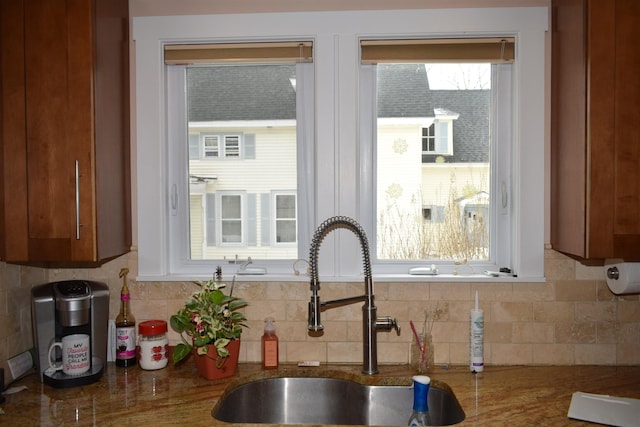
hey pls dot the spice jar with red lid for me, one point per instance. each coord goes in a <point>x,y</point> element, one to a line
<point>153,345</point>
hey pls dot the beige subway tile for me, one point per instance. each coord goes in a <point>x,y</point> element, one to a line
<point>259,312</point>
<point>451,332</point>
<point>251,351</point>
<point>149,309</point>
<point>295,310</point>
<point>595,354</point>
<point>553,354</point>
<point>505,311</point>
<point>458,311</point>
<point>533,292</point>
<point>401,310</point>
<point>614,332</point>
<point>297,351</point>
<point>289,331</point>
<point>559,268</point>
<point>411,291</point>
<point>603,293</point>
<point>553,311</point>
<point>488,292</point>
<point>391,353</point>
<point>574,333</point>
<point>511,354</point>
<point>459,353</point>
<point>450,291</point>
<point>533,332</point>
<point>344,352</point>
<point>440,353</point>
<point>629,311</point>
<point>628,354</point>
<point>596,311</point>
<point>585,272</point>
<point>498,332</point>
<point>575,290</point>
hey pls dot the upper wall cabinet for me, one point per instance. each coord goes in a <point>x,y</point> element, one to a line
<point>595,129</point>
<point>65,132</point>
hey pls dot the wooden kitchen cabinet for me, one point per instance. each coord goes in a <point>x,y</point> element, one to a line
<point>595,129</point>
<point>65,196</point>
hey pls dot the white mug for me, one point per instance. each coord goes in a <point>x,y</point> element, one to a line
<point>75,354</point>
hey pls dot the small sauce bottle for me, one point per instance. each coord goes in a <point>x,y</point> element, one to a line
<point>125,327</point>
<point>269,345</point>
<point>153,346</point>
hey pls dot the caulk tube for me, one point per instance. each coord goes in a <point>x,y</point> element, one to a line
<point>476,338</point>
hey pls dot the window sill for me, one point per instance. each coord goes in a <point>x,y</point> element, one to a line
<point>382,278</point>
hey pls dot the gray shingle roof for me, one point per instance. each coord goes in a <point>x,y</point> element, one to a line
<point>236,92</point>
<point>403,91</point>
<point>241,93</point>
<point>471,129</point>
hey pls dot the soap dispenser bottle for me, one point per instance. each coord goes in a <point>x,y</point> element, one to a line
<point>420,415</point>
<point>269,345</point>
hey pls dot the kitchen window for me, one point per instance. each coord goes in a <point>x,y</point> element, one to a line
<point>336,162</point>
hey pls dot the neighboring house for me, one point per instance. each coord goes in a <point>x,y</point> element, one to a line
<point>431,145</point>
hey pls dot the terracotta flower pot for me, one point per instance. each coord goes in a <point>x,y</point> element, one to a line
<point>206,364</point>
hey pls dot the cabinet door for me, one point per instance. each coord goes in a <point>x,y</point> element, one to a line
<point>59,128</point>
<point>626,226</point>
<point>595,135</point>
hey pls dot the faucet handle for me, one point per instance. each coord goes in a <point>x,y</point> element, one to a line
<point>386,323</point>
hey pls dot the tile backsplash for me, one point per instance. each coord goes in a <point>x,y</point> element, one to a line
<point>571,319</point>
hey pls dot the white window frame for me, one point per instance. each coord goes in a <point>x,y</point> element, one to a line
<point>333,186</point>
<point>220,220</point>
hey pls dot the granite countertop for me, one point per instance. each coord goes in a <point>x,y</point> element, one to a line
<point>515,396</point>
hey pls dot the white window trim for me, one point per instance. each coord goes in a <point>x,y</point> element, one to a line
<point>338,165</point>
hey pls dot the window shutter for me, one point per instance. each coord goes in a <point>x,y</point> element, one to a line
<point>265,216</point>
<point>249,146</point>
<point>252,222</point>
<point>194,147</point>
<point>211,219</point>
<point>442,137</point>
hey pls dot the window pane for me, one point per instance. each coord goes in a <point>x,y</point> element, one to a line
<point>285,218</point>
<point>286,206</point>
<point>245,117</point>
<point>286,231</point>
<point>433,150</point>
<point>231,207</point>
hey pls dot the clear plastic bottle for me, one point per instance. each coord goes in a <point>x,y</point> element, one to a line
<point>420,415</point>
<point>125,328</point>
<point>269,345</point>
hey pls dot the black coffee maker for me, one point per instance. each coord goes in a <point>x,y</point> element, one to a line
<point>66,308</point>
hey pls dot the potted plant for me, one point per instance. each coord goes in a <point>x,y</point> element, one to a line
<point>211,324</point>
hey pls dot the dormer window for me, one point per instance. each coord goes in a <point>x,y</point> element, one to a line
<point>438,138</point>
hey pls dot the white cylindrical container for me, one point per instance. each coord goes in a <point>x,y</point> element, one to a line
<point>153,345</point>
<point>476,339</point>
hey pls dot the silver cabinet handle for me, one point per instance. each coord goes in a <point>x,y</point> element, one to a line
<point>77,201</point>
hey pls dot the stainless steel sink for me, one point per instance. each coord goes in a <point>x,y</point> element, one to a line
<point>292,400</point>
